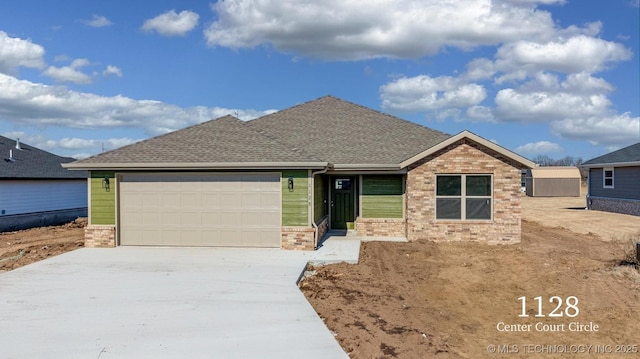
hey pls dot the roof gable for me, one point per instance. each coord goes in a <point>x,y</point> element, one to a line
<point>32,163</point>
<point>475,138</point>
<point>629,155</point>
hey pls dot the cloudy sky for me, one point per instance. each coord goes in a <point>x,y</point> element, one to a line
<point>540,77</point>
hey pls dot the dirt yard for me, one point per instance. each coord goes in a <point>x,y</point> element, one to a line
<point>20,248</point>
<point>461,300</point>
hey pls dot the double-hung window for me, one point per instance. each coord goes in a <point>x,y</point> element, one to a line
<point>607,178</point>
<point>464,197</point>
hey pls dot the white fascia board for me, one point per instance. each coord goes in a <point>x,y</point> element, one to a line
<point>475,138</point>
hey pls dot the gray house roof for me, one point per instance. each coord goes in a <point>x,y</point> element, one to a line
<point>628,156</point>
<point>225,140</point>
<point>342,132</point>
<point>316,134</point>
<point>29,162</point>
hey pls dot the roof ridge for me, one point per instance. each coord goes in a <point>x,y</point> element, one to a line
<point>350,103</point>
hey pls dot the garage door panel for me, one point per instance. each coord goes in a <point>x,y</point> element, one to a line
<point>269,218</point>
<point>151,199</point>
<point>191,219</point>
<point>200,209</point>
<point>190,200</point>
<point>211,200</point>
<point>250,200</point>
<point>231,218</point>
<point>210,219</point>
<point>270,200</point>
<point>170,219</point>
<point>171,200</point>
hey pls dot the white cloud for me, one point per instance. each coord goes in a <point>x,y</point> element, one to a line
<point>70,73</point>
<point>112,70</point>
<point>540,147</point>
<point>424,93</point>
<point>480,113</point>
<point>27,103</point>
<point>362,29</point>
<point>573,55</point>
<point>546,98</point>
<point>613,130</point>
<point>97,21</point>
<point>541,106</point>
<point>479,69</point>
<point>16,52</point>
<point>171,23</point>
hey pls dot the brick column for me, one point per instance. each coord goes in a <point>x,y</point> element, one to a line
<point>100,236</point>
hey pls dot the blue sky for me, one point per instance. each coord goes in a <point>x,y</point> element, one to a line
<point>539,77</point>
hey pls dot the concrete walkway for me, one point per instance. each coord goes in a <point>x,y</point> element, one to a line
<point>139,302</point>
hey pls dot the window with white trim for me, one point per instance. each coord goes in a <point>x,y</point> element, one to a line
<point>607,178</point>
<point>464,197</point>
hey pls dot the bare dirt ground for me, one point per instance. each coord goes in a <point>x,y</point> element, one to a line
<point>20,248</point>
<point>570,213</point>
<point>454,300</point>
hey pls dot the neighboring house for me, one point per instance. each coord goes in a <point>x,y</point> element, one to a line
<point>553,181</point>
<point>285,179</point>
<point>614,181</point>
<point>35,190</point>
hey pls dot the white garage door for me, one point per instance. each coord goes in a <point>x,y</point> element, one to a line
<point>179,209</point>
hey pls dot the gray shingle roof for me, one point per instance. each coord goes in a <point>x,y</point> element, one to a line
<point>226,139</point>
<point>342,132</point>
<point>324,130</point>
<point>628,154</point>
<point>32,163</point>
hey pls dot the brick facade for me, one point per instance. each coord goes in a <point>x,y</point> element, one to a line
<point>381,227</point>
<point>464,157</point>
<point>100,236</point>
<point>298,238</point>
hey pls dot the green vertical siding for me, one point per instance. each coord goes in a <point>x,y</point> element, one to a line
<point>319,197</point>
<point>103,203</point>
<point>382,196</point>
<point>295,204</point>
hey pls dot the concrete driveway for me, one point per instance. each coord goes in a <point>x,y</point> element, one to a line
<point>134,302</point>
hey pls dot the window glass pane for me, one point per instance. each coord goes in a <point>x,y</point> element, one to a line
<point>608,182</point>
<point>478,208</point>
<point>448,208</point>
<point>449,185</point>
<point>608,173</point>
<point>343,183</point>
<point>478,185</point>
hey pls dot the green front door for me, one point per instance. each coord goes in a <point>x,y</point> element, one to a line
<point>342,202</point>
